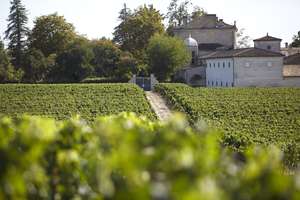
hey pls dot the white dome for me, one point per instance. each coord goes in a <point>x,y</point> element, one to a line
<point>190,42</point>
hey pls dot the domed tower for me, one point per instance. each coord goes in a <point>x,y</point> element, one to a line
<point>192,45</point>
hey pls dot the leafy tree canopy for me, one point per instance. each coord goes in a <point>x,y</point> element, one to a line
<point>296,40</point>
<point>106,56</point>
<point>166,55</point>
<point>7,71</point>
<point>135,29</point>
<point>74,64</point>
<point>38,66</point>
<point>179,11</point>
<point>51,34</point>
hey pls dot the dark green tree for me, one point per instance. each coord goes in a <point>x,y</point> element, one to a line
<point>106,56</point>
<point>7,70</point>
<point>166,55</point>
<point>38,66</point>
<point>127,66</point>
<point>51,34</point>
<point>17,31</point>
<point>74,64</point>
<point>296,40</point>
<point>135,30</point>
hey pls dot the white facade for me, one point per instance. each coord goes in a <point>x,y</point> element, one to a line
<point>248,72</point>
<point>219,72</point>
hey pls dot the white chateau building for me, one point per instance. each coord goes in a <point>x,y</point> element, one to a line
<point>217,62</point>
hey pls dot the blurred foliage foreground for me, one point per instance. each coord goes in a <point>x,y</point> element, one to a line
<point>129,157</point>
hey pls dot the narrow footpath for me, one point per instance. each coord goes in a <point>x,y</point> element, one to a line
<point>159,106</point>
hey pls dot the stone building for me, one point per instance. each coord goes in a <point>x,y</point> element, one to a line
<point>291,70</point>
<point>243,68</point>
<point>216,62</point>
<point>288,51</point>
<point>210,33</point>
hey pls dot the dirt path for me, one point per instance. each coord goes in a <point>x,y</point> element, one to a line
<point>159,106</point>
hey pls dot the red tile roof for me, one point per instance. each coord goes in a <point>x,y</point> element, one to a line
<point>268,38</point>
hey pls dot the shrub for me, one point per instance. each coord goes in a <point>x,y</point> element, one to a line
<point>130,157</point>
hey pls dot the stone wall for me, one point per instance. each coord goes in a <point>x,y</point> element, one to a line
<point>274,45</point>
<point>290,82</point>
<point>187,75</point>
<point>259,72</point>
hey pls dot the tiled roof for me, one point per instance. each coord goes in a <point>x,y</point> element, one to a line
<point>292,60</point>
<point>267,38</point>
<point>209,46</point>
<point>246,52</point>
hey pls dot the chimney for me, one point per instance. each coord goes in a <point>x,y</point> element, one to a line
<point>286,45</point>
<point>221,20</point>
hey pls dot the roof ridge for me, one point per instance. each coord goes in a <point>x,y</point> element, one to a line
<point>241,52</point>
<point>269,51</point>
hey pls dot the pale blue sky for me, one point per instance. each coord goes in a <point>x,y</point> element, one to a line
<point>97,18</point>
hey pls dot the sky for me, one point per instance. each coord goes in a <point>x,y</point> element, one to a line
<point>97,18</point>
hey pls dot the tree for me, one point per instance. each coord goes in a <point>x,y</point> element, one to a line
<point>135,30</point>
<point>51,34</point>
<point>7,71</point>
<point>106,56</point>
<point>296,40</point>
<point>38,66</point>
<point>166,55</point>
<point>179,13</point>
<point>197,12</point>
<point>17,31</point>
<point>74,64</point>
<point>243,41</point>
<point>126,67</point>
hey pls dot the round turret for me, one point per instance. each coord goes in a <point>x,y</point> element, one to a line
<point>190,42</point>
<point>192,45</point>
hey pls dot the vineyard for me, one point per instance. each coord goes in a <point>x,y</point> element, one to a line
<point>64,101</point>
<point>128,157</point>
<point>246,115</point>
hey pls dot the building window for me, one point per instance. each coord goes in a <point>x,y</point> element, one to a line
<point>229,65</point>
<point>216,83</point>
<point>207,82</point>
<point>218,65</point>
<point>226,84</point>
<point>232,84</point>
<point>223,64</point>
<point>212,83</point>
<point>193,57</point>
<point>269,47</point>
<point>209,64</point>
<point>214,65</point>
<point>221,83</point>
